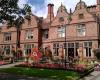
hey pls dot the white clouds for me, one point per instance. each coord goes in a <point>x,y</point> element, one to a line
<point>72,4</point>
<point>56,3</point>
<point>68,3</point>
<point>33,8</point>
<point>39,12</point>
<point>22,2</point>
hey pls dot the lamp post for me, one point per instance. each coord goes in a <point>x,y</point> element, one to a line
<point>69,20</point>
<point>65,45</point>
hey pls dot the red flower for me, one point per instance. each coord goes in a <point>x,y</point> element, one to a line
<point>39,54</point>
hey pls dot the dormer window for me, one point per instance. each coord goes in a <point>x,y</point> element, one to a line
<point>61,19</point>
<point>81,16</point>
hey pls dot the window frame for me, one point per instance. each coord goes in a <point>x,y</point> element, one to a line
<point>45,34</point>
<point>61,32</point>
<point>28,48</point>
<point>55,49</point>
<point>81,30</point>
<point>29,34</point>
<point>7,49</point>
<point>81,16</point>
<point>88,47</point>
<point>7,36</point>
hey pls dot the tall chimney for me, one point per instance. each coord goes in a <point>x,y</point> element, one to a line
<point>50,12</point>
<point>98,5</point>
<point>98,2</point>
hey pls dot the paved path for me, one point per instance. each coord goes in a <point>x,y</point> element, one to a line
<point>10,65</point>
<point>95,75</point>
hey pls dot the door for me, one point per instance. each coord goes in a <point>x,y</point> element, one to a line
<point>71,52</point>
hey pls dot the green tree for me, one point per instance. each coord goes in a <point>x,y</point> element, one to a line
<point>14,15</point>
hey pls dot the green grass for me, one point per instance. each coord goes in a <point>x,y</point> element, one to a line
<point>42,73</point>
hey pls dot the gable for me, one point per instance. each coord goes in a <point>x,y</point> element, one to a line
<point>61,16</point>
<point>32,23</point>
<point>81,9</point>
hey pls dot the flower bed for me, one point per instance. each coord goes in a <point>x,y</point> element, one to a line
<point>97,67</point>
<point>3,63</point>
<point>42,65</point>
<point>80,68</point>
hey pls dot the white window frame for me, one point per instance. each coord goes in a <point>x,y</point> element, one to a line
<point>81,30</point>
<point>29,34</point>
<point>28,48</point>
<point>89,47</point>
<point>6,35</point>
<point>61,32</point>
<point>45,34</point>
<point>7,47</point>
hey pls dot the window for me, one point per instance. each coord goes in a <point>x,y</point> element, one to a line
<point>81,30</point>
<point>7,49</point>
<point>1,24</point>
<point>7,36</point>
<point>61,32</point>
<point>81,16</point>
<point>29,34</point>
<point>77,47</point>
<point>70,45</point>
<point>45,34</point>
<point>28,48</point>
<point>65,45</point>
<point>88,48</point>
<point>61,19</point>
<point>55,49</point>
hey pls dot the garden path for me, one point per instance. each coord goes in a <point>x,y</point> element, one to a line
<point>10,65</point>
<point>95,75</point>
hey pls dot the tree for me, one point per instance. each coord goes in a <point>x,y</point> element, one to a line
<point>14,16</point>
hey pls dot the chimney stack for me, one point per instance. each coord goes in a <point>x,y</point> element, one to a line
<point>50,12</point>
<point>98,2</point>
<point>98,5</point>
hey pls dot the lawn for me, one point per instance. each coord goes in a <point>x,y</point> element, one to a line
<point>42,73</point>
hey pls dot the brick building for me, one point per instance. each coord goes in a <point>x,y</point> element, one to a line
<point>79,35</point>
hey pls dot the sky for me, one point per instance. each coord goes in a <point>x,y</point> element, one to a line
<point>39,7</point>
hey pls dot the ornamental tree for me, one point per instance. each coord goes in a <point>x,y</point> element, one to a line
<point>14,16</point>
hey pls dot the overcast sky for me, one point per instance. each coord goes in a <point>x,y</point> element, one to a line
<point>39,7</point>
